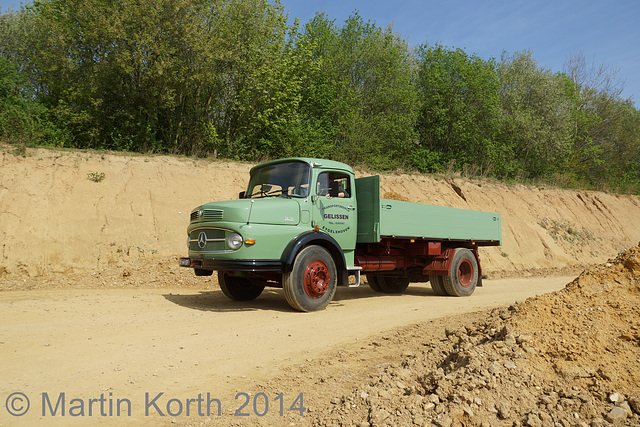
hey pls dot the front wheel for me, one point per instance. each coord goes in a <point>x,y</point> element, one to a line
<point>312,281</point>
<point>238,288</point>
<point>463,274</point>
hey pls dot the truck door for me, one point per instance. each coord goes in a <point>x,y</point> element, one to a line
<point>335,211</point>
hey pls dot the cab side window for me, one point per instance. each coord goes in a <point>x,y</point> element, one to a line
<point>333,184</point>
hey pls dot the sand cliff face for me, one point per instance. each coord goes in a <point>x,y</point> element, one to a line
<point>131,320</point>
<point>67,211</point>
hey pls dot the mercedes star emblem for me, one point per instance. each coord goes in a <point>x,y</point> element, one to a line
<point>202,240</point>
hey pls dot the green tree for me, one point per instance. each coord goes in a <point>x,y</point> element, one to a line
<point>166,75</point>
<point>357,100</point>
<point>459,111</point>
<point>23,120</point>
<point>260,87</point>
<point>537,122</point>
<point>231,77</point>
<point>18,118</point>
<point>606,138</point>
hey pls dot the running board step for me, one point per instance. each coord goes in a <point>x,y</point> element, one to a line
<point>357,272</point>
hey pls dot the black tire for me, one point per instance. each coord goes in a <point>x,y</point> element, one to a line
<point>374,283</point>
<point>463,274</point>
<point>239,288</point>
<point>312,281</point>
<point>393,284</point>
<point>201,272</point>
<point>437,285</point>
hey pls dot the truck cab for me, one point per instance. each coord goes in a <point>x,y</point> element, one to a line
<point>289,204</point>
<point>306,225</point>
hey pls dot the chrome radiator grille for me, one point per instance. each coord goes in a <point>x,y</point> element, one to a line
<point>207,215</point>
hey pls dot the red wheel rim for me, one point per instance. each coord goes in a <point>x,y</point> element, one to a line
<point>316,279</point>
<point>465,273</point>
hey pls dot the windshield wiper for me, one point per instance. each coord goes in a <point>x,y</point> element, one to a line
<point>269,194</point>
<point>275,193</point>
<point>254,194</point>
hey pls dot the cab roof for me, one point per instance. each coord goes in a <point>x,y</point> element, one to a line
<point>314,162</point>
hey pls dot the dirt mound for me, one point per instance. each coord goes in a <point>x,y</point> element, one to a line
<point>569,358</point>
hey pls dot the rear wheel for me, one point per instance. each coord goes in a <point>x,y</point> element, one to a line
<point>393,285</point>
<point>239,288</point>
<point>437,285</point>
<point>374,283</point>
<point>463,274</point>
<point>312,281</point>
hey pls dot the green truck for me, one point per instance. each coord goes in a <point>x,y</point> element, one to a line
<point>308,226</point>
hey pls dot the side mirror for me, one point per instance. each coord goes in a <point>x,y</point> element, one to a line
<point>242,194</point>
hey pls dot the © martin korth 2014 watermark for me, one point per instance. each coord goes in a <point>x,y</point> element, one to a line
<point>157,404</point>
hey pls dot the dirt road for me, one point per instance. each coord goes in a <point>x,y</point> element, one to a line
<point>126,346</point>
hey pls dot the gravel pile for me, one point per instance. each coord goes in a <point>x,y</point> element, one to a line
<point>570,358</point>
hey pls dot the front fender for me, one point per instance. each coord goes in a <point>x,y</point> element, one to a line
<point>313,238</point>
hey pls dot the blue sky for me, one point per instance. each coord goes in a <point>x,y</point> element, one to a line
<point>604,31</point>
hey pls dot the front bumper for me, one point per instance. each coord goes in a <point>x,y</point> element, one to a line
<point>247,265</point>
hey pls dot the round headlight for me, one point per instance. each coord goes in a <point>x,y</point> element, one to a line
<point>234,241</point>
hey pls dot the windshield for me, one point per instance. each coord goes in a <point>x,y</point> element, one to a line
<point>289,179</point>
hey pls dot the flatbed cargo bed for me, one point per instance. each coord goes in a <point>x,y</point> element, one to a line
<point>383,217</point>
